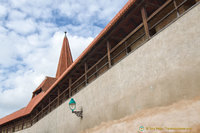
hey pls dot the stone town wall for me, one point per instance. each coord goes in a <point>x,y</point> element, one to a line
<point>163,71</point>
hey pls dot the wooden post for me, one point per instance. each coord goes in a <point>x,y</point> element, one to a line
<point>108,52</point>
<point>144,18</point>
<point>13,129</point>
<point>31,120</point>
<point>22,124</point>
<point>49,104</point>
<point>126,48</point>
<point>175,5</point>
<point>37,115</point>
<point>8,129</point>
<point>96,73</point>
<point>42,109</point>
<point>86,68</point>
<point>70,87</point>
<point>58,99</point>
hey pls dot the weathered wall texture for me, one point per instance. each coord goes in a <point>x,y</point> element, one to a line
<point>163,71</point>
<point>168,119</point>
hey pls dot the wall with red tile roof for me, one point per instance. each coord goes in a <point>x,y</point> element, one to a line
<point>65,65</point>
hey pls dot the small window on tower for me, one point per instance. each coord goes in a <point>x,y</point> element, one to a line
<point>38,91</point>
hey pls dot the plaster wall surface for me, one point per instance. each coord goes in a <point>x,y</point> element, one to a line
<point>163,71</point>
<point>162,119</point>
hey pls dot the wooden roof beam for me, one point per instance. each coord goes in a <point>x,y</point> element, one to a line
<point>148,3</point>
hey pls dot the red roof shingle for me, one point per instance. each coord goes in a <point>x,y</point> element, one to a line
<point>65,58</point>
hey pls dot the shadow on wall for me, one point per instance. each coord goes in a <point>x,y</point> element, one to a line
<point>183,117</point>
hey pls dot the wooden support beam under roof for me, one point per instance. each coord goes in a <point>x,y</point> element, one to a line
<point>136,5</point>
<point>135,16</point>
<point>144,17</point>
<point>70,87</point>
<point>92,59</point>
<point>116,38</point>
<point>123,23</point>
<point>149,3</point>
<point>86,69</point>
<point>160,2</point>
<point>58,100</point>
<point>158,10</point>
<point>63,86</point>
<point>78,71</point>
<point>108,53</point>
<point>133,22</point>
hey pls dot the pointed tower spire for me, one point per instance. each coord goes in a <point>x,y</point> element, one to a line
<point>65,59</point>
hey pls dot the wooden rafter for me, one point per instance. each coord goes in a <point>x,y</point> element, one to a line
<point>144,18</point>
<point>108,52</point>
<point>149,3</point>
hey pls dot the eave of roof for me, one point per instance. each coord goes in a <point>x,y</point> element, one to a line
<point>47,80</point>
<point>24,111</point>
<point>12,116</point>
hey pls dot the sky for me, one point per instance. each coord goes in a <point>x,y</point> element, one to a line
<point>31,35</point>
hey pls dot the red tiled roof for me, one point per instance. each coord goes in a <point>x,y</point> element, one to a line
<point>24,111</point>
<point>46,84</point>
<point>35,100</point>
<point>65,58</point>
<point>12,116</point>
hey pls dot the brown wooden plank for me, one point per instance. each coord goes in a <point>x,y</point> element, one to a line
<point>144,18</point>
<point>175,5</point>
<point>152,4</point>
<point>13,127</point>
<point>31,120</point>
<point>58,97</point>
<point>96,74</point>
<point>77,80</point>
<point>128,36</point>
<point>42,109</point>
<point>70,86</point>
<point>114,26</point>
<point>49,109</point>
<point>159,9</point>
<point>86,69</point>
<point>22,124</point>
<point>108,52</point>
<point>97,62</point>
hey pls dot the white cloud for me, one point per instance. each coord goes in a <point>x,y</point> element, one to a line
<point>16,15</point>
<point>78,44</point>
<point>92,9</point>
<point>18,3</point>
<point>3,11</point>
<point>22,26</point>
<point>19,96</point>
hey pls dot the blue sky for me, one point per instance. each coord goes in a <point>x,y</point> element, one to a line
<point>31,35</point>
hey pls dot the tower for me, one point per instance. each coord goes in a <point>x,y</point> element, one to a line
<point>65,59</point>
